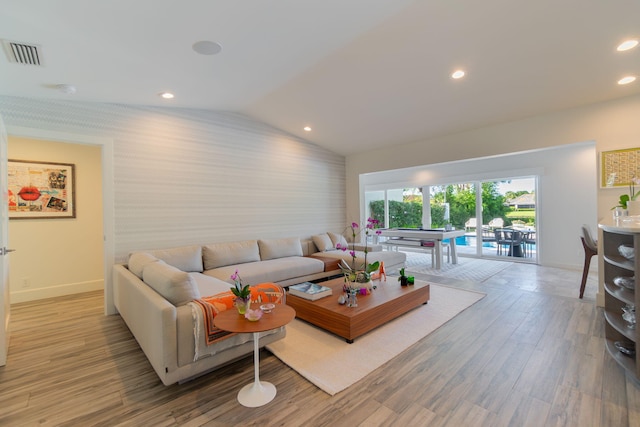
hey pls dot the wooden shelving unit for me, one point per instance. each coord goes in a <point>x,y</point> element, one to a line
<point>615,234</point>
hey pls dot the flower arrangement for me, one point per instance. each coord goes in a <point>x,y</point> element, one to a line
<point>632,196</point>
<point>242,293</point>
<point>238,289</point>
<point>353,272</point>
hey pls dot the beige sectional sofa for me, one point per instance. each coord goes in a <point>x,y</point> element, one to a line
<point>154,290</point>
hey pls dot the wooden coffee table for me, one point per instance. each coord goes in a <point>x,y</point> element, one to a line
<point>388,301</point>
<point>259,392</point>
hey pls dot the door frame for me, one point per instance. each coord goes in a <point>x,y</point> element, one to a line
<point>108,221</point>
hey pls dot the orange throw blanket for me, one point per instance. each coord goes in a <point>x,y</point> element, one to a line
<point>212,305</point>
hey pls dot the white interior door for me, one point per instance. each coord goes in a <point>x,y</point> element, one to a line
<point>4,258</point>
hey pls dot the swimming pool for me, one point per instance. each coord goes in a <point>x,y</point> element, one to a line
<point>471,241</point>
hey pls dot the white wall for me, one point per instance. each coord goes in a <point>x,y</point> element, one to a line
<point>191,176</point>
<point>612,125</point>
<point>59,256</point>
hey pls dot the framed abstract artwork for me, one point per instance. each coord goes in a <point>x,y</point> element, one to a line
<point>41,190</point>
<point>619,167</point>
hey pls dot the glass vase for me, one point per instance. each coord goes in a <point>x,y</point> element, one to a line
<point>242,304</point>
<point>352,298</point>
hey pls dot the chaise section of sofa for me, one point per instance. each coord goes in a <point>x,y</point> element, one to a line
<point>328,244</point>
<point>152,296</point>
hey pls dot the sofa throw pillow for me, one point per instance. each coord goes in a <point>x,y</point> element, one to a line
<point>323,242</point>
<point>338,238</point>
<point>137,262</point>
<point>279,248</point>
<point>223,254</point>
<point>185,258</point>
<point>176,286</point>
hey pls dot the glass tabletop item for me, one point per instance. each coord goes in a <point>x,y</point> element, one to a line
<point>267,308</point>
<point>625,282</point>
<point>629,315</point>
<point>626,251</point>
<point>626,348</point>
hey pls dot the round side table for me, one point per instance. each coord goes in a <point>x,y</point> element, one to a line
<point>259,392</point>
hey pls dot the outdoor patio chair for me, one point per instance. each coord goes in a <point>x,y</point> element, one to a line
<point>503,238</point>
<point>496,223</point>
<point>488,236</point>
<point>530,242</point>
<point>511,239</point>
<point>471,223</point>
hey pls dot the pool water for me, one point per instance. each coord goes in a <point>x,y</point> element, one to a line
<point>471,241</point>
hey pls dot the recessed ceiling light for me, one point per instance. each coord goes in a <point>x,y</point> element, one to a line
<point>307,128</point>
<point>458,74</point>
<point>627,44</point>
<point>206,47</point>
<point>626,80</point>
<point>166,95</point>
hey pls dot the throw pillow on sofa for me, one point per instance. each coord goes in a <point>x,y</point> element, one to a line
<point>176,286</point>
<point>185,258</point>
<point>223,254</point>
<point>138,261</point>
<point>338,239</point>
<point>323,242</point>
<point>279,248</point>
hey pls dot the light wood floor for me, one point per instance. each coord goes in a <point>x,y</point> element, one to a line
<point>529,354</point>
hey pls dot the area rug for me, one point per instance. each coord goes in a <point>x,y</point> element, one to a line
<point>476,270</point>
<point>327,361</point>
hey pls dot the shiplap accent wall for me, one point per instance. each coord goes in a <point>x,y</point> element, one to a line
<point>193,176</point>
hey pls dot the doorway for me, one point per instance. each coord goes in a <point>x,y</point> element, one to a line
<point>105,232</point>
<point>68,252</point>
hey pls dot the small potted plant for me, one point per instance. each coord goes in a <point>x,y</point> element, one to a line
<point>242,293</point>
<point>629,201</point>
<point>404,280</point>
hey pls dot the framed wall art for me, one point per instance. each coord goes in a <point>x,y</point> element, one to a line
<point>618,167</point>
<point>41,190</point>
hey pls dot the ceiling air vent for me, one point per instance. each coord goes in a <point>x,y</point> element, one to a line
<point>23,53</point>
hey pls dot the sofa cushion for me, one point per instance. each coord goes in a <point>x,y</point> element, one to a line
<point>279,248</point>
<point>231,253</point>
<point>208,285</point>
<point>337,239</point>
<point>185,258</point>
<point>323,242</point>
<point>176,286</point>
<point>273,270</point>
<point>137,262</point>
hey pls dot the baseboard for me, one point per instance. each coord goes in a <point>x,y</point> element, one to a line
<point>25,295</point>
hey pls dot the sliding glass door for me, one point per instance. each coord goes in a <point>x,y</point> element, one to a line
<point>498,216</point>
<point>512,226</point>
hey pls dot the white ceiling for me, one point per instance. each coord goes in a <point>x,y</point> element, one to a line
<point>362,73</point>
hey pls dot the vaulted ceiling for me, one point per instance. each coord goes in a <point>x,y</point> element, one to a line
<point>361,73</point>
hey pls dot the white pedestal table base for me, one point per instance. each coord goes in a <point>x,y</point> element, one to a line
<point>259,392</point>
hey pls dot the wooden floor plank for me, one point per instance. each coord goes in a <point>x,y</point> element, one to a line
<point>529,353</point>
